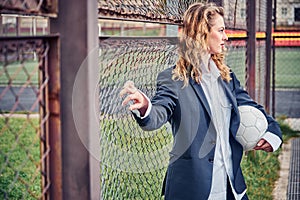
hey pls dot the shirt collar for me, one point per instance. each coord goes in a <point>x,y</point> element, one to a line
<point>214,72</point>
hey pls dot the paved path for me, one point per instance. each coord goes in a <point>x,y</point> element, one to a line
<point>287,187</point>
<point>281,185</point>
<point>293,191</point>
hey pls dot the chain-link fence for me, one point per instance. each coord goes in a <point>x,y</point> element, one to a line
<point>133,162</point>
<point>23,113</point>
<point>44,7</point>
<point>24,105</point>
<point>287,81</point>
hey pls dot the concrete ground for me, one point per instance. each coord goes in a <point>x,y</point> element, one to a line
<point>281,185</point>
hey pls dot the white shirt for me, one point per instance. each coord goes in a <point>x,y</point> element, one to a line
<point>221,111</point>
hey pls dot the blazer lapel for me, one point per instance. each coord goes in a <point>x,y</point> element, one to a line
<point>200,93</point>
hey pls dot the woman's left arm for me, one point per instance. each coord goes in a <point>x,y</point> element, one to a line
<point>272,140</point>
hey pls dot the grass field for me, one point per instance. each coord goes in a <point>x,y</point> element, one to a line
<point>20,176</point>
<point>19,159</point>
<point>20,150</point>
<point>17,73</point>
<point>287,67</point>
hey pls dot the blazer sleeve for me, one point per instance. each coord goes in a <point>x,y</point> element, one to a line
<point>243,98</point>
<point>163,102</point>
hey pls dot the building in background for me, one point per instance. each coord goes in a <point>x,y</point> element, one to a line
<point>20,25</point>
<point>288,14</point>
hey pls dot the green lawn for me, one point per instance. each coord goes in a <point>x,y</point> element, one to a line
<point>287,67</point>
<point>20,154</point>
<point>20,150</point>
<point>17,73</point>
<point>19,159</point>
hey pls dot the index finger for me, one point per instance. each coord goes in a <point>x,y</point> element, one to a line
<point>128,88</point>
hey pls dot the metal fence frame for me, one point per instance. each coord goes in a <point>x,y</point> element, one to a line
<point>50,114</point>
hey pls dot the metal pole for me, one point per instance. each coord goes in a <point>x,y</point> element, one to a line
<point>54,133</point>
<point>1,25</point>
<point>78,35</point>
<point>251,48</point>
<point>18,26</point>
<point>275,14</point>
<point>273,79</point>
<point>268,54</point>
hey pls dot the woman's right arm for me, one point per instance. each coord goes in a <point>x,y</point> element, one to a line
<point>162,104</point>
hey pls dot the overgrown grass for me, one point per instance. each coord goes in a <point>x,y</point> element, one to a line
<point>261,169</point>
<point>133,162</point>
<point>20,154</point>
<point>19,159</point>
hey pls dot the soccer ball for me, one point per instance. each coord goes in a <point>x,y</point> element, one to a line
<point>253,125</point>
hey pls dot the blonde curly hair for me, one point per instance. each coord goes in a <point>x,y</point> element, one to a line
<point>197,23</point>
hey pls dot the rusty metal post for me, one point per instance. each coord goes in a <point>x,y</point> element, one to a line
<point>1,26</point>
<point>18,25</point>
<point>268,54</point>
<point>251,48</point>
<point>275,15</point>
<point>54,123</point>
<point>273,78</point>
<point>77,26</point>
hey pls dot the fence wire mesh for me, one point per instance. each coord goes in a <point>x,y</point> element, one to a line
<point>28,6</point>
<point>260,77</point>
<point>23,145</point>
<point>287,81</point>
<point>167,11</point>
<point>261,15</point>
<point>152,10</point>
<point>133,161</point>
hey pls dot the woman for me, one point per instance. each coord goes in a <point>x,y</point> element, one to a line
<point>199,98</point>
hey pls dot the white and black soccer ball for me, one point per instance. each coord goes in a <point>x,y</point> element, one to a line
<point>253,125</point>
